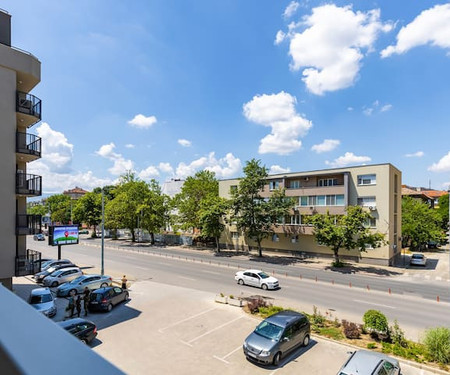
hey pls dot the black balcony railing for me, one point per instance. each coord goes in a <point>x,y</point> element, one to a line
<point>28,224</point>
<point>29,105</point>
<point>28,184</point>
<point>27,143</point>
<point>28,264</point>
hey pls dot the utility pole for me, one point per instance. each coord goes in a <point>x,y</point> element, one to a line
<point>103,233</point>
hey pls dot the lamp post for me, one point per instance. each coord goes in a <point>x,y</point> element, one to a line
<point>103,234</point>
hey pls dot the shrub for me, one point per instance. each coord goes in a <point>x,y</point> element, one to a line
<point>331,332</point>
<point>397,335</point>
<point>336,323</point>
<point>266,311</point>
<point>254,304</point>
<point>376,322</point>
<point>437,343</point>
<point>317,318</point>
<point>371,345</point>
<point>351,330</point>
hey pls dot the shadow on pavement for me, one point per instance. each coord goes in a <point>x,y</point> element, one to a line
<point>350,269</point>
<point>119,314</point>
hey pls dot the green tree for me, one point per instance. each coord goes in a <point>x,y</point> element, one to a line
<point>253,214</point>
<point>60,208</point>
<point>88,210</point>
<point>196,189</point>
<point>345,231</point>
<point>154,210</point>
<point>123,211</point>
<point>37,209</point>
<point>420,223</point>
<point>443,211</point>
<point>211,217</point>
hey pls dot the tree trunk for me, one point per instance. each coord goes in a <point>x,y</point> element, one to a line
<point>336,256</point>
<point>259,247</point>
<point>152,238</point>
<point>217,244</point>
<point>133,236</point>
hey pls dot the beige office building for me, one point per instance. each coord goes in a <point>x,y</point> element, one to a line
<point>20,72</point>
<point>376,187</point>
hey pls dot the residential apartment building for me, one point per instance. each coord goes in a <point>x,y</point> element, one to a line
<point>377,188</point>
<point>20,72</point>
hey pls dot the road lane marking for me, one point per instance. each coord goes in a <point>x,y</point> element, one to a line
<point>375,304</point>
<point>161,330</point>
<point>186,278</point>
<point>214,273</point>
<point>215,329</point>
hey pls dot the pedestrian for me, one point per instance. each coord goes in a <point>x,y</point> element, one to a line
<point>78,305</point>
<point>70,307</point>
<point>124,282</point>
<point>86,295</point>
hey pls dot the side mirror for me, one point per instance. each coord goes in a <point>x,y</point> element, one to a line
<point>285,339</point>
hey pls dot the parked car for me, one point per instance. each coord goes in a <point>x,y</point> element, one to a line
<point>418,259</point>
<point>42,300</point>
<point>77,285</point>
<point>40,276</point>
<point>39,237</point>
<point>53,262</point>
<point>256,278</point>
<point>433,244</point>
<point>83,231</point>
<point>84,329</point>
<point>106,298</point>
<point>276,336</point>
<point>62,276</point>
<point>364,362</point>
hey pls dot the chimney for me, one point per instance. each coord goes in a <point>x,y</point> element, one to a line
<point>5,28</point>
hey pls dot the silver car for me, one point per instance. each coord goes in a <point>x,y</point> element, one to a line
<point>42,300</point>
<point>365,362</point>
<point>418,260</point>
<point>77,285</point>
<point>276,336</point>
<point>62,276</point>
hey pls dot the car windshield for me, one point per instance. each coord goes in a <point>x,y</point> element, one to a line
<point>263,275</point>
<point>417,256</point>
<point>269,331</point>
<point>43,298</point>
<point>96,297</point>
<point>77,280</point>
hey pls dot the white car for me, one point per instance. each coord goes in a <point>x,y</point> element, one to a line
<point>62,276</point>
<point>256,278</point>
<point>418,260</point>
<point>42,300</point>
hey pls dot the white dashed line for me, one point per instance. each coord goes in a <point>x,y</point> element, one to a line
<point>374,304</point>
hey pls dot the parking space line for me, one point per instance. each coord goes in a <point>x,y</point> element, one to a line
<point>161,330</point>
<point>215,329</point>
<point>221,359</point>
<point>232,352</point>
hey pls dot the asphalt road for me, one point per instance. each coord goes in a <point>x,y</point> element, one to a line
<point>413,311</point>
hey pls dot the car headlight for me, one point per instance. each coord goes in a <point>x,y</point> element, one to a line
<point>264,353</point>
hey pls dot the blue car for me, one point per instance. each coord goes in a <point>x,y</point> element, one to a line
<point>77,285</point>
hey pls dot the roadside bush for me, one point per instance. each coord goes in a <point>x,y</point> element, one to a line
<point>317,318</point>
<point>397,335</point>
<point>254,304</point>
<point>266,311</point>
<point>371,345</point>
<point>437,343</point>
<point>376,323</point>
<point>351,330</point>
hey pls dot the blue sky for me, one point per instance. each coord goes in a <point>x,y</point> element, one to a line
<point>167,88</point>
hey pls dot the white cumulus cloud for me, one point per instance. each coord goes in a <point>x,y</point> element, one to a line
<point>432,26</point>
<point>121,165</point>
<point>185,142</point>
<point>279,37</point>
<point>330,45</point>
<point>129,145</point>
<point>417,154</point>
<point>278,112</point>
<point>148,173</point>
<point>443,165</point>
<point>349,158</point>
<point>165,168</point>
<point>291,9</point>
<point>143,122</point>
<point>326,146</point>
<point>276,169</point>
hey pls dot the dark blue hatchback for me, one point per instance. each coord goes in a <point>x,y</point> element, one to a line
<point>106,298</point>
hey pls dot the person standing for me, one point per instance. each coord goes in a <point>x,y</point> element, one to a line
<point>86,295</point>
<point>70,307</point>
<point>124,282</point>
<point>78,305</point>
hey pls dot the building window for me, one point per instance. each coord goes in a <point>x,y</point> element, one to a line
<point>273,185</point>
<point>328,182</point>
<point>395,183</point>
<point>370,222</point>
<point>367,179</point>
<point>294,239</point>
<point>233,188</point>
<point>322,200</point>
<point>275,238</point>
<point>294,184</point>
<point>340,200</point>
<point>304,201</point>
<point>292,220</point>
<point>367,201</point>
<point>234,235</point>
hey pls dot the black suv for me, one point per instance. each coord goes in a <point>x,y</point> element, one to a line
<point>84,329</point>
<point>106,298</point>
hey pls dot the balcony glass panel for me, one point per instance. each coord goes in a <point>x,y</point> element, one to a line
<point>28,104</point>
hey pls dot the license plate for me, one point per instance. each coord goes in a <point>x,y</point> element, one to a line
<point>250,354</point>
<point>94,303</point>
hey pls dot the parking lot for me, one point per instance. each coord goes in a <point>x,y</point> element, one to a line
<point>173,329</point>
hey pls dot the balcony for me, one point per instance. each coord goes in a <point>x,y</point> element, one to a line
<point>28,224</point>
<point>28,264</point>
<point>28,146</point>
<point>28,108</point>
<point>28,184</point>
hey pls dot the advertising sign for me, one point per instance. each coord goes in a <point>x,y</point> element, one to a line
<point>63,235</point>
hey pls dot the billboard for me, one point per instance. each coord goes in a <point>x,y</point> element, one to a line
<point>63,235</point>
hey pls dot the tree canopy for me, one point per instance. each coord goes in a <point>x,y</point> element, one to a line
<point>88,210</point>
<point>345,231</point>
<point>60,208</point>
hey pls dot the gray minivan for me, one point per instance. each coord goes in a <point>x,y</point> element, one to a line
<point>277,335</point>
<point>364,362</point>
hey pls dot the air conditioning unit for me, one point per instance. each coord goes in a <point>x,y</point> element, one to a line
<point>372,208</point>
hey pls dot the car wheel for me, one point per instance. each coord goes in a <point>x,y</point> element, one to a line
<point>241,282</point>
<point>110,306</point>
<point>264,286</point>
<point>276,359</point>
<point>127,297</point>
<point>54,283</point>
<point>104,285</point>
<point>84,341</point>
<point>305,340</point>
